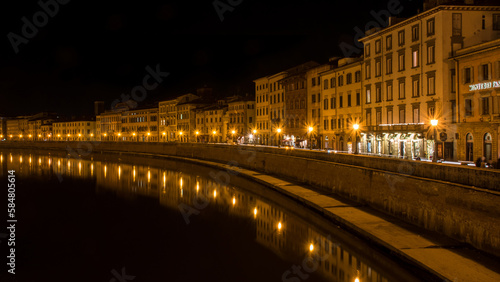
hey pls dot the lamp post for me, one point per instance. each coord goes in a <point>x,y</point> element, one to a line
<point>434,124</point>
<point>254,136</point>
<point>355,127</point>
<point>197,133</point>
<point>310,130</point>
<point>232,134</point>
<point>279,139</point>
<point>214,132</point>
<point>180,135</point>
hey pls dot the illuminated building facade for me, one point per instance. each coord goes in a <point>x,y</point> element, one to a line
<point>241,114</point>
<point>408,79</point>
<point>341,104</point>
<point>478,85</point>
<point>168,116</point>
<point>262,120</point>
<point>82,130</point>
<point>314,110</point>
<point>109,124</point>
<point>140,125</point>
<point>295,84</point>
<point>211,123</point>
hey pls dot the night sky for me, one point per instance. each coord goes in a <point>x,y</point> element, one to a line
<point>96,50</point>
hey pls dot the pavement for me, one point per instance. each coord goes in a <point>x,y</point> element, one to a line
<point>444,257</point>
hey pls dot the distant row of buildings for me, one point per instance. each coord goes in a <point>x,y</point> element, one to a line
<point>442,64</point>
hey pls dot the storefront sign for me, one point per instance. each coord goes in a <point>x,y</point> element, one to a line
<point>484,85</point>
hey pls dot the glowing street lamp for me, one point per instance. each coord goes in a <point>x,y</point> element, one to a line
<point>279,139</point>
<point>434,124</point>
<point>356,127</point>
<point>254,136</point>
<point>233,132</point>
<point>197,133</point>
<point>310,130</point>
<point>214,132</point>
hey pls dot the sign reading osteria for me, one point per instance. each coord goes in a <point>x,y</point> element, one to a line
<point>484,85</point>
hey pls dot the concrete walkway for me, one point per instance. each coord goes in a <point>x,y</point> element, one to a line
<point>444,257</point>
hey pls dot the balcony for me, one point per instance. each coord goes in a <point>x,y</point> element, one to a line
<point>403,127</point>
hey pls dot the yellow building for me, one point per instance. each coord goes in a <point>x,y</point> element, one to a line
<point>478,96</point>
<point>211,124</point>
<point>341,104</point>
<point>241,114</point>
<point>277,107</point>
<point>139,125</point>
<point>17,128</point>
<point>408,78</point>
<point>168,116</point>
<point>262,118</point>
<point>109,124</point>
<point>82,130</point>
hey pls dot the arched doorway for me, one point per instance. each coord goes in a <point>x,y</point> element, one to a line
<point>469,152</point>
<point>487,147</point>
<point>341,144</point>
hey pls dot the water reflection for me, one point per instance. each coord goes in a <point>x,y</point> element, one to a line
<point>287,235</point>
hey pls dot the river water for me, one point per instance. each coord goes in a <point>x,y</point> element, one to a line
<point>130,218</point>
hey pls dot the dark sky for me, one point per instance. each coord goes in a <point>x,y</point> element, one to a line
<point>96,50</point>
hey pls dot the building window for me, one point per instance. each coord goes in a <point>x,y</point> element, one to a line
<point>388,42</point>
<point>484,72</point>
<point>367,73</point>
<point>332,103</point>
<point>389,116</point>
<point>378,117</point>
<point>416,88</point>
<point>402,115</point>
<point>325,104</point>
<point>456,21</point>
<point>378,46</point>
<point>415,58</point>
<point>313,81</point>
<point>325,124</point>
<point>332,82</point>
<point>453,81</point>
<point>348,100</point>
<point>401,89</point>
<point>378,68</point>
<point>401,38</point>
<point>389,91</point>
<point>388,65</point>
<point>414,33</point>
<point>485,105</point>
<point>416,115</point>
<point>367,50</point>
<point>341,80</point>
<point>431,110</point>
<point>378,94</point>
<point>368,95</point>
<point>496,21</point>
<point>430,54</point>
<point>357,76</point>
<point>468,108</point>
<point>430,27</point>
<point>313,98</point>
<point>468,75</point>
<point>401,62</point>
<point>487,147</point>
<point>358,98</point>
<point>332,123</point>
<point>341,102</point>
<point>431,86</point>
<point>348,78</point>
<point>325,84</point>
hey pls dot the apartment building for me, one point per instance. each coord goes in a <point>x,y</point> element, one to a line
<point>241,115</point>
<point>408,79</point>
<point>314,111</point>
<point>262,118</point>
<point>81,130</point>
<point>139,125</point>
<point>168,116</point>
<point>478,101</point>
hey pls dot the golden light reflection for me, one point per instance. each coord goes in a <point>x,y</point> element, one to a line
<point>279,225</point>
<point>133,173</point>
<point>58,163</point>
<point>180,182</point>
<point>149,176</point>
<point>21,159</point>
<point>311,247</point>
<point>10,158</point>
<point>357,279</point>
<point>50,162</point>
<point>39,161</point>
<point>234,200</point>
<point>215,194</point>
<point>29,160</point>
<point>79,168</point>
<point>119,172</point>
<point>164,180</point>
<point>69,164</point>
<point>105,170</point>
<point>1,158</point>
<point>91,169</point>
<point>197,186</point>
<point>255,212</point>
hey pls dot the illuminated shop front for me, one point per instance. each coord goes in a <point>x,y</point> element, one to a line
<point>408,141</point>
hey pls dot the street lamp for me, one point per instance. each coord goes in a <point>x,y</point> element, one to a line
<point>197,133</point>
<point>232,133</point>
<point>254,136</point>
<point>279,139</point>
<point>434,124</point>
<point>213,138</point>
<point>180,135</point>
<point>310,130</point>
<point>356,127</point>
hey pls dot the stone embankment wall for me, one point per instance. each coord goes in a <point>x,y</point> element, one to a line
<point>458,201</point>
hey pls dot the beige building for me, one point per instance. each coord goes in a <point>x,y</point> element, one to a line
<point>241,114</point>
<point>211,124</point>
<point>109,124</point>
<point>186,120</point>
<point>168,116</point>
<point>341,105</point>
<point>262,118</point>
<point>478,96</point>
<point>276,107</point>
<point>139,125</point>
<point>82,130</point>
<point>314,102</point>
<point>408,79</point>
<point>17,128</point>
